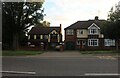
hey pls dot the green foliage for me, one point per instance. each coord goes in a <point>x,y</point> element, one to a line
<point>17,17</point>
<point>111,29</point>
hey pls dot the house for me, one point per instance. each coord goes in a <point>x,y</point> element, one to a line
<point>44,38</point>
<point>86,35</point>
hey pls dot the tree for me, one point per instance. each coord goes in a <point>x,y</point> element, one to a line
<point>111,29</point>
<point>17,17</point>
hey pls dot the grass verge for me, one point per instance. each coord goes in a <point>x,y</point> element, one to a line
<point>100,52</point>
<point>20,53</point>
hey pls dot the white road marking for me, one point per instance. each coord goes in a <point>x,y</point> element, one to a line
<point>18,72</point>
<point>107,57</point>
<point>102,74</point>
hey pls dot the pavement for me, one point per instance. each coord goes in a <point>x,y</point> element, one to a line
<point>59,54</point>
<point>70,54</point>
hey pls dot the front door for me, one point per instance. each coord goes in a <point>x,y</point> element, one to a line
<point>82,44</point>
<point>70,45</point>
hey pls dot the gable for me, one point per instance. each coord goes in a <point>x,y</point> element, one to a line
<point>54,32</point>
<point>93,25</point>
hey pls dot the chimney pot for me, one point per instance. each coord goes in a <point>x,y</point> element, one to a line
<point>96,17</point>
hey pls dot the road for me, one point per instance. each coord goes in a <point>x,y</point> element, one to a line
<point>59,66</point>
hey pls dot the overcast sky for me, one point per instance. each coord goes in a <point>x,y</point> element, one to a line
<point>66,12</point>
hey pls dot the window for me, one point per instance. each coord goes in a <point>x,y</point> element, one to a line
<point>45,36</point>
<point>79,32</point>
<point>34,36</point>
<point>109,42</point>
<point>70,32</point>
<point>92,42</point>
<point>93,30</point>
<point>38,37</point>
<point>53,36</point>
<point>78,42</point>
<point>81,42</point>
<point>31,36</point>
<point>41,36</point>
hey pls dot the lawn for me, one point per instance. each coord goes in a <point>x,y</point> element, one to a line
<point>20,53</point>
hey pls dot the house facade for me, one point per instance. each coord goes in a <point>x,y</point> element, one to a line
<point>44,38</point>
<point>86,35</point>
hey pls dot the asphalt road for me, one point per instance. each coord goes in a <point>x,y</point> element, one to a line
<point>59,66</point>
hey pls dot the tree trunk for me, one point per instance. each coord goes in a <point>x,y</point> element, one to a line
<point>15,42</point>
<point>117,44</point>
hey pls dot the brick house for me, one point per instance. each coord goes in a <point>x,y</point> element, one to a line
<point>86,35</point>
<point>44,38</point>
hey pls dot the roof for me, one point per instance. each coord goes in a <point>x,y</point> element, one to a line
<point>43,30</point>
<point>85,24</point>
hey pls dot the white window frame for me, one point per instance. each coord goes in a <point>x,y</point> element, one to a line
<point>93,42</point>
<point>109,42</point>
<point>93,30</point>
<point>69,32</point>
<point>78,42</point>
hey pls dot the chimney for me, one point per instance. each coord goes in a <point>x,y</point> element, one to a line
<point>61,28</point>
<point>96,17</point>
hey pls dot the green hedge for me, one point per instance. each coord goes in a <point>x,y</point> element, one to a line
<point>20,53</point>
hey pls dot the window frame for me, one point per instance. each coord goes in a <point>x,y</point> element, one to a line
<point>80,32</point>
<point>93,30</point>
<point>53,36</point>
<point>45,37</point>
<point>69,32</point>
<point>78,42</point>
<point>109,42</point>
<point>93,42</point>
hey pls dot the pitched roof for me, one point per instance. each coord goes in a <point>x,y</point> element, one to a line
<point>43,30</point>
<point>84,24</point>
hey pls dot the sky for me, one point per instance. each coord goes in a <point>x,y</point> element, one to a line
<point>67,12</point>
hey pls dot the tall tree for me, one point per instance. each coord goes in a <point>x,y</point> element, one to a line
<point>111,29</point>
<point>17,17</point>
